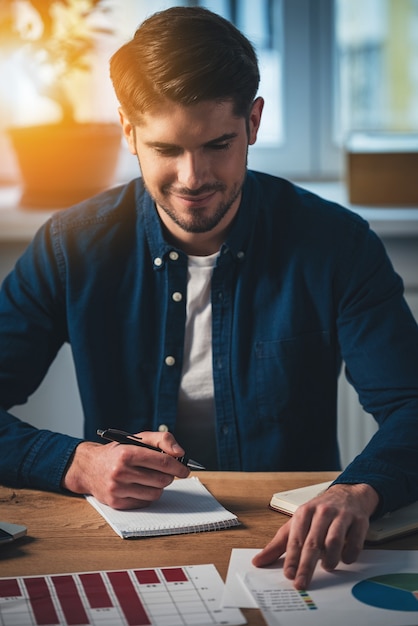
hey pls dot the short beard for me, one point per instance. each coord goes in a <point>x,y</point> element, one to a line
<point>199,222</point>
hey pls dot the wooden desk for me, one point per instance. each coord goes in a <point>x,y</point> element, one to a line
<point>65,534</point>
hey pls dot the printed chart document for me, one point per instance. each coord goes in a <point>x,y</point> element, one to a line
<point>380,589</point>
<point>186,506</point>
<point>166,596</point>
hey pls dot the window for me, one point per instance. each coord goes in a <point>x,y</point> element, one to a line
<point>348,65</point>
<point>294,45</point>
<point>327,67</point>
<point>262,24</point>
<point>377,59</point>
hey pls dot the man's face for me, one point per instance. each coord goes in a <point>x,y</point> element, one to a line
<point>193,161</point>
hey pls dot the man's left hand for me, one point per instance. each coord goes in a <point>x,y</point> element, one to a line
<point>329,528</point>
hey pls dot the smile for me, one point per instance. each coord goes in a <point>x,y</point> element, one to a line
<point>196,201</point>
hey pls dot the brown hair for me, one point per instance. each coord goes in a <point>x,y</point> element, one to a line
<point>187,55</point>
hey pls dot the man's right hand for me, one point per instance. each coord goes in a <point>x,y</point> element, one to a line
<point>124,476</point>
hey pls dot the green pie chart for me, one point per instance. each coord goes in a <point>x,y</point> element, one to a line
<point>393,592</point>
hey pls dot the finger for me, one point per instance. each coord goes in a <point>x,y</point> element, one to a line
<point>132,497</point>
<point>274,549</point>
<point>128,487</point>
<point>143,476</point>
<point>298,533</point>
<point>354,542</point>
<point>334,544</point>
<point>344,541</point>
<point>305,545</point>
<point>168,444</point>
<point>137,458</point>
<point>325,541</point>
<point>165,441</point>
<point>301,569</point>
<point>128,504</point>
<point>132,476</point>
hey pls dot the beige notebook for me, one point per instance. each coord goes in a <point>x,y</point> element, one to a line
<point>288,501</point>
<point>401,522</point>
<point>186,506</point>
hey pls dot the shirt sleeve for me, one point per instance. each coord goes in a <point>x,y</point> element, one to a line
<point>32,329</point>
<point>379,344</point>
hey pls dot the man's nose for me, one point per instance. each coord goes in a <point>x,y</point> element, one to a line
<point>192,170</point>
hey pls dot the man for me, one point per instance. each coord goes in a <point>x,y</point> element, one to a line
<point>210,308</point>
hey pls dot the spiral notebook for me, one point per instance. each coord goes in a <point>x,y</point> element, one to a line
<point>185,506</point>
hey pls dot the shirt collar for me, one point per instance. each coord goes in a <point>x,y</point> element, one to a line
<point>237,241</point>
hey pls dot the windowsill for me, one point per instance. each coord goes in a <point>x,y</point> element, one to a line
<point>17,223</point>
<point>385,221</point>
<point>20,224</point>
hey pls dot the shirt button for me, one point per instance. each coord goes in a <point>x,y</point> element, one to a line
<point>177,297</point>
<point>225,429</point>
<point>174,255</point>
<point>158,261</point>
<point>240,255</point>
<point>169,360</point>
<point>163,428</point>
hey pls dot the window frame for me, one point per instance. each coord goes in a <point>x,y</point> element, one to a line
<point>308,150</point>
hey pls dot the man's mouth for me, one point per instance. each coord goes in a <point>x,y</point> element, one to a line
<point>195,196</point>
<point>196,200</point>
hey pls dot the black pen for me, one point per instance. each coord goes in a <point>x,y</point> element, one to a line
<point>120,436</point>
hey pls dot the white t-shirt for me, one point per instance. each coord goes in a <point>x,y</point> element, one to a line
<point>195,427</point>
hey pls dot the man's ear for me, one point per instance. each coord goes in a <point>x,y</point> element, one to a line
<point>255,119</point>
<point>128,131</point>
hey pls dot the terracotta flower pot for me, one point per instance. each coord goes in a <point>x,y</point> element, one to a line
<point>62,165</point>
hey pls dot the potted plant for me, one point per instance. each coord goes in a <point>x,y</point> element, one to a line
<point>66,160</point>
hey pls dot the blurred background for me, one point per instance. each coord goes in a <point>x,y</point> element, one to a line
<point>329,67</point>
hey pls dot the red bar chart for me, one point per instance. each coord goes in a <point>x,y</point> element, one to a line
<point>170,596</point>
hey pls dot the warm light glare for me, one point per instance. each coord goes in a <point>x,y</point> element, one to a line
<point>63,76</point>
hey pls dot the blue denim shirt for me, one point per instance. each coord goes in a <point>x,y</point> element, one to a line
<point>301,285</point>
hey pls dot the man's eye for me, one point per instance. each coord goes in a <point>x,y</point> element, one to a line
<point>168,152</point>
<point>220,146</point>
